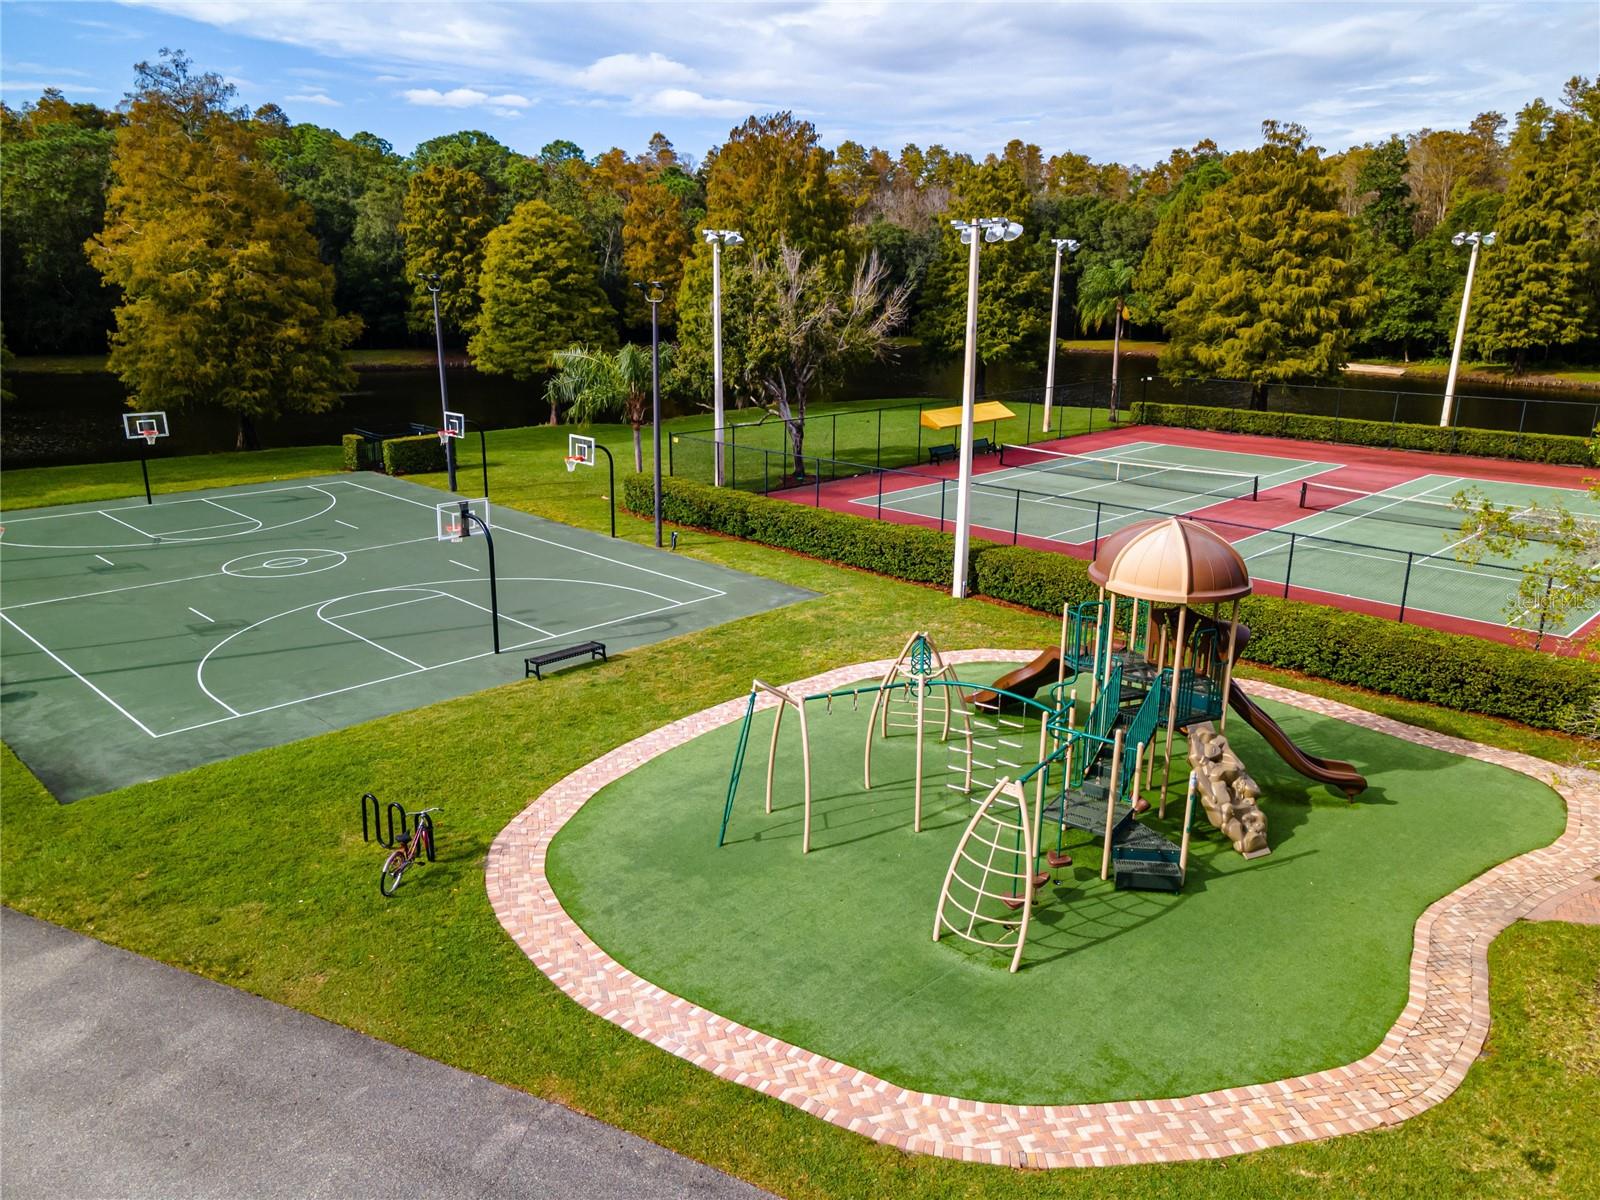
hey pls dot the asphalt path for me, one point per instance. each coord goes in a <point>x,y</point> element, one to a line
<point>123,1077</point>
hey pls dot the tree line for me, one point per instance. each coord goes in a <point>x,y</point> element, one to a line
<point>222,254</point>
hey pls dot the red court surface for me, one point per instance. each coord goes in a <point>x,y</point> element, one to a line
<point>1360,468</point>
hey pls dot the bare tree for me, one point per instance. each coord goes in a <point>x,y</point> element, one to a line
<point>805,329</point>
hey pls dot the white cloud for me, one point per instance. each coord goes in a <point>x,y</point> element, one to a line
<point>465,97</point>
<point>681,102</point>
<point>314,98</point>
<point>628,74</point>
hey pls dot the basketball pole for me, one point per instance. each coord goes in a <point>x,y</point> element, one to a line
<point>611,485</point>
<point>467,517</point>
<point>144,469</point>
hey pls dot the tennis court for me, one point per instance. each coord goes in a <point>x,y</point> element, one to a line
<point>141,640</point>
<point>1076,499</point>
<point>1397,547</point>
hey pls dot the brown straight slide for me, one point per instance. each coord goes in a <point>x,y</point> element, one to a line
<point>1324,770</point>
<point>1024,681</point>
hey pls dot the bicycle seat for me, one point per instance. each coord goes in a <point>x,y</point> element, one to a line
<point>403,838</point>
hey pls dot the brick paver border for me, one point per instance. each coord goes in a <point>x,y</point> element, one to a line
<point>1421,1060</point>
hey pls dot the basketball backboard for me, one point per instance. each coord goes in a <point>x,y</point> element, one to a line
<point>451,528</point>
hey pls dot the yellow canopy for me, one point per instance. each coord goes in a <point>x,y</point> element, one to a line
<point>950,418</point>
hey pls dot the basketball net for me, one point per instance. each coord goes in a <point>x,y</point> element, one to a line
<point>150,436</point>
<point>572,463</point>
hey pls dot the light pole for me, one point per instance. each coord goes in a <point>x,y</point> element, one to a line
<point>1447,414</point>
<point>717,238</point>
<point>431,280</point>
<point>1071,247</point>
<point>988,229</point>
<point>654,294</point>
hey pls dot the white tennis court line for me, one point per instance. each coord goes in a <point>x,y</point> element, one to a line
<point>105,560</point>
<point>199,614</point>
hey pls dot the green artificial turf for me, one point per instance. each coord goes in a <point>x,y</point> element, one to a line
<point>1258,970</point>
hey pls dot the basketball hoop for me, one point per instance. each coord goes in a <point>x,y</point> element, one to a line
<point>150,436</point>
<point>453,531</point>
<point>573,463</point>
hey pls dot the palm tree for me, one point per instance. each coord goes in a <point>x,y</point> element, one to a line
<point>596,386</point>
<point>1102,293</point>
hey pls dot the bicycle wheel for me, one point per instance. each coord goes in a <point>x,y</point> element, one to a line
<point>393,867</point>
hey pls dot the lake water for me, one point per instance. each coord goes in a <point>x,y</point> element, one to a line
<point>67,418</point>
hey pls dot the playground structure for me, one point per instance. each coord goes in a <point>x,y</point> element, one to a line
<point>1158,652</point>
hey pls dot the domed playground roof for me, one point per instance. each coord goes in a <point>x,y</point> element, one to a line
<point>1170,561</point>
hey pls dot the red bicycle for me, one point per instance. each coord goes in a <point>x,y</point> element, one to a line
<point>413,847</point>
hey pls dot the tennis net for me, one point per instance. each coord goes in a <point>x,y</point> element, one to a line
<point>1168,477</point>
<point>1325,497</point>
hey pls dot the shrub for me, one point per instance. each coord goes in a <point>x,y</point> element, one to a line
<point>1452,670</point>
<point>901,551</point>
<point>1484,443</point>
<point>413,455</point>
<point>356,455</point>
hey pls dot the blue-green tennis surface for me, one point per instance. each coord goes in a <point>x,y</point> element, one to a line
<point>137,641</point>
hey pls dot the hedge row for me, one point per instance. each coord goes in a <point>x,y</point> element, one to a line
<point>413,455</point>
<point>356,455</point>
<point>1408,661</point>
<point>1485,443</point>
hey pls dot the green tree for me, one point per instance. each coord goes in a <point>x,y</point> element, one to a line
<point>1267,287</point>
<point>55,168</point>
<point>1536,289</point>
<point>509,177</point>
<point>447,216</point>
<point>1013,278</point>
<point>224,298</point>
<point>1103,295</point>
<point>656,242</point>
<point>355,187</point>
<point>770,180</point>
<point>1157,273</point>
<point>597,387</point>
<point>539,295</point>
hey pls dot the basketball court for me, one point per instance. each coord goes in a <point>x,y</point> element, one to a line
<point>139,640</point>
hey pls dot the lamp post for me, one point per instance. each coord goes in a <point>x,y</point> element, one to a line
<point>717,238</point>
<point>1476,239</point>
<point>431,280</point>
<point>654,294</point>
<point>1070,246</point>
<point>988,229</point>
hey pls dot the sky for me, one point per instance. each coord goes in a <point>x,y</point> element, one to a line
<point>1125,82</point>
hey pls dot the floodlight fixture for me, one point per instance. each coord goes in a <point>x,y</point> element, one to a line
<point>1473,239</point>
<point>994,229</point>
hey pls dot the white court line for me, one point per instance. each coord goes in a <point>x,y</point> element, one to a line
<point>200,614</point>
<point>125,524</point>
<point>170,501</point>
<point>397,604</point>
<point>549,542</point>
<point>234,511</point>
<point>346,524</point>
<point>127,587</point>
<point>375,645</point>
<point>463,565</point>
<point>80,678</point>
<point>105,560</point>
<point>439,666</point>
<point>1396,500</point>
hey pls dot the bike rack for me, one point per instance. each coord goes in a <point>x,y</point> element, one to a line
<point>386,838</point>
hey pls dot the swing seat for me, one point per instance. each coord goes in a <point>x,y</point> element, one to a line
<point>1058,859</point>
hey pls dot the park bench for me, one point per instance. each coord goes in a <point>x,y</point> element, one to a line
<point>950,450</point>
<point>532,664</point>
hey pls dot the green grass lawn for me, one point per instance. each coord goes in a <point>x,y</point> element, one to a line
<point>1304,954</point>
<point>252,872</point>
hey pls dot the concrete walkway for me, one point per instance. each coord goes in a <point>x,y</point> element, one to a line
<point>123,1077</point>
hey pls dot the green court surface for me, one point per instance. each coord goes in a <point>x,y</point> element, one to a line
<point>1047,499</point>
<point>137,641</point>
<point>1257,971</point>
<point>1386,549</point>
